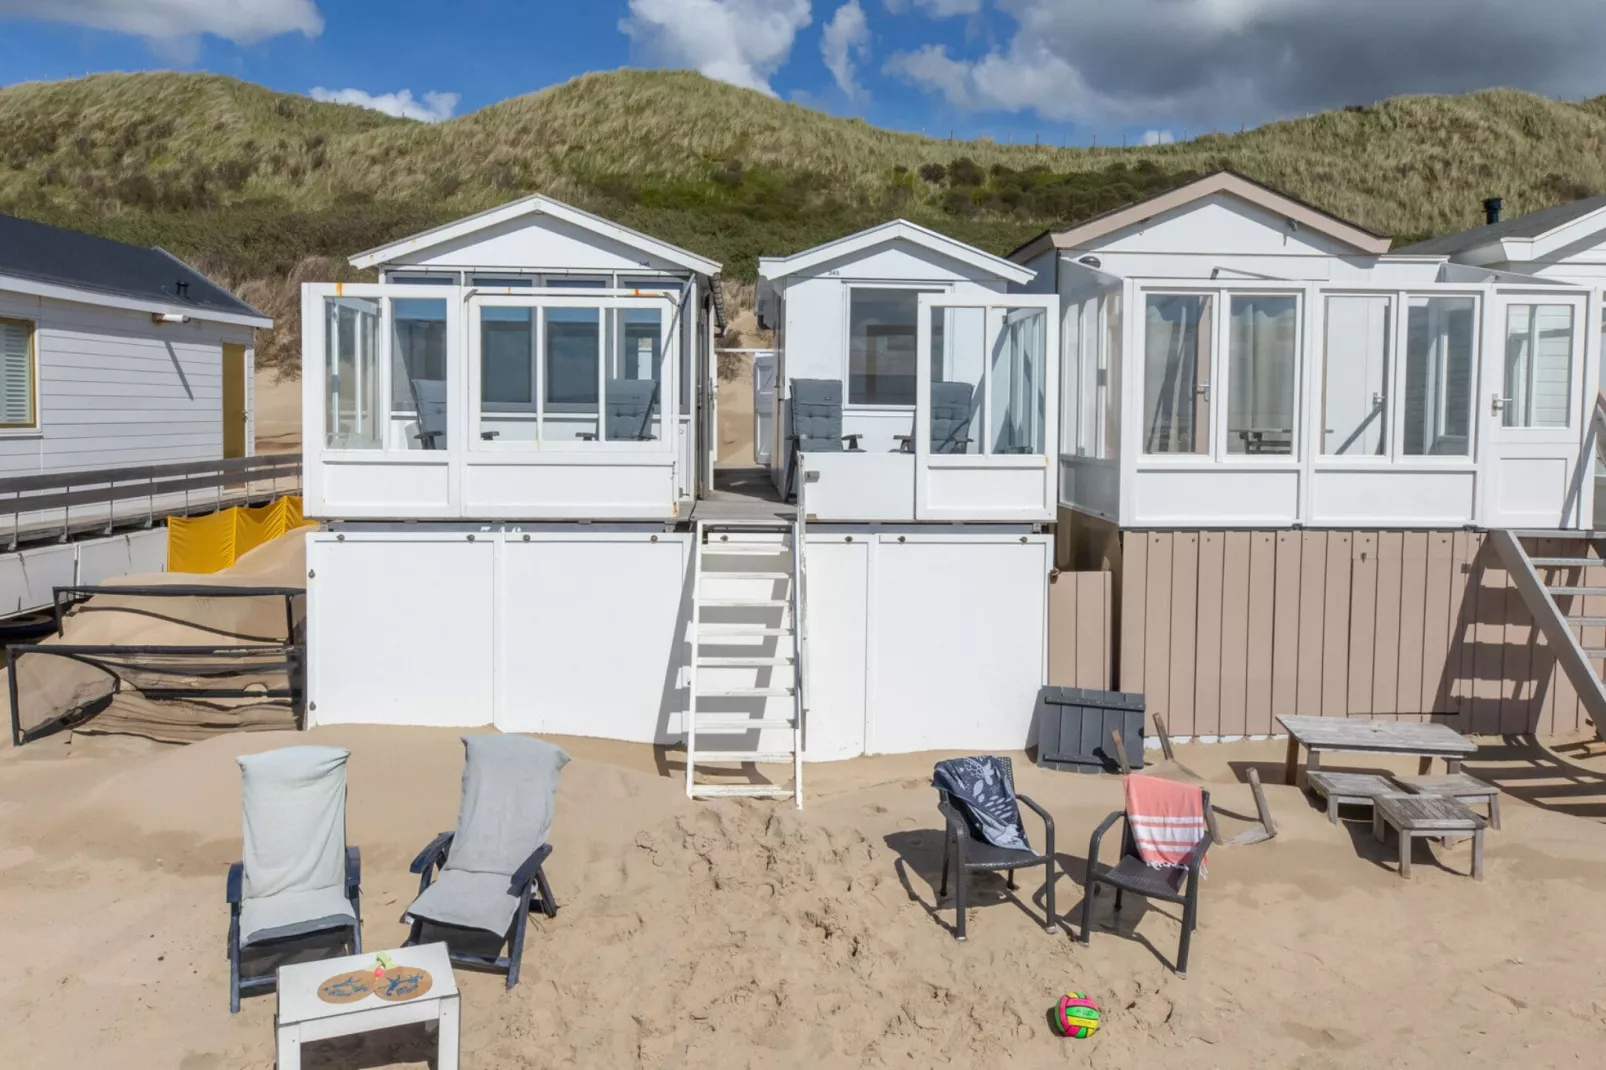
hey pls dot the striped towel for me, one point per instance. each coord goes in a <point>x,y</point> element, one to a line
<point>1166,818</point>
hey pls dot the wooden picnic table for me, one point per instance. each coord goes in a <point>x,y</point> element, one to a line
<point>1328,734</point>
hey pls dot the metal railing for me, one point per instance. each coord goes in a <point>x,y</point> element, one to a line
<point>46,493</point>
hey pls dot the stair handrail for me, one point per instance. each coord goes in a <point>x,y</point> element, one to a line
<point>800,632</point>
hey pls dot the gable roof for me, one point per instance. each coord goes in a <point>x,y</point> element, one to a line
<point>70,265</point>
<point>1527,227</point>
<point>779,267</point>
<point>536,204</point>
<point>1229,182</point>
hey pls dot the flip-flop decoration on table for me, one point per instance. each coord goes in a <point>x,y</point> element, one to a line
<point>392,983</point>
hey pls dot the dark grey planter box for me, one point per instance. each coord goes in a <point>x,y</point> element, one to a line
<point>1073,729</point>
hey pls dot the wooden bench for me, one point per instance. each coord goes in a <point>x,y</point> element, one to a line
<point>1321,735</point>
<point>1349,789</point>
<point>1462,786</point>
<point>1417,817</point>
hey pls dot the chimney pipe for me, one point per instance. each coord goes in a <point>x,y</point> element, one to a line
<point>1491,209</point>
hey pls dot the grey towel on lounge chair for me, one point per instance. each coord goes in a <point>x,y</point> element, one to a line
<point>986,798</point>
<point>294,803</point>
<point>509,785</point>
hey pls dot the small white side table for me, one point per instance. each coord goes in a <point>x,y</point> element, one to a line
<point>302,1016</point>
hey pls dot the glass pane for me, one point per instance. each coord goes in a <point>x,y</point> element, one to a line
<point>1539,365</point>
<point>1360,333</point>
<point>563,282</point>
<point>522,282</point>
<point>634,375</point>
<point>1177,333</point>
<point>1437,414</point>
<point>354,419</point>
<point>881,346</point>
<point>1108,444</point>
<point>418,371</point>
<point>507,358</point>
<point>1018,372</point>
<point>573,344</point>
<point>1070,379</point>
<point>1262,351</point>
<point>958,347</point>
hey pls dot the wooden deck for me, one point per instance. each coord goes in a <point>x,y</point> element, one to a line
<point>743,495</point>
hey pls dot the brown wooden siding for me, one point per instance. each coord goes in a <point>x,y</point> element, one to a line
<point>1222,630</point>
<point>1080,636</point>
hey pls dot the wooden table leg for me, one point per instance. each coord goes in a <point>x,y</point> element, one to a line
<point>447,1044</point>
<point>1291,769</point>
<point>1379,832</point>
<point>1405,854</point>
<point>1451,764</point>
<point>1477,855</point>
<point>1494,812</point>
<point>288,1040</point>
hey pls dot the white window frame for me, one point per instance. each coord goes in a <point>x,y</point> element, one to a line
<point>34,426</point>
<point>848,405</point>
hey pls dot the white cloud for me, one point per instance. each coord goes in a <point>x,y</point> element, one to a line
<point>937,9</point>
<point>1158,137</point>
<point>845,37</point>
<point>1224,62</point>
<point>431,109</point>
<point>743,42</point>
<point>241,21</point>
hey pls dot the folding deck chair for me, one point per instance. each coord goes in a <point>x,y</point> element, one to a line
<point>429,398</point>
<point>298,877</point>
<point>815,410</point>
<point>487,876</point>
<point>628,410</point>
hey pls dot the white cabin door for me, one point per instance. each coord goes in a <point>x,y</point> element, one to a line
<point>1533,397</point>
<point>986,407</point>
<point>763,406</point>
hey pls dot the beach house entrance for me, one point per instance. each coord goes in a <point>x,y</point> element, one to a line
<point>1533,398</point>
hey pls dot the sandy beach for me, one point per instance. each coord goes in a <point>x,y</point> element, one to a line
<point>736,934</point>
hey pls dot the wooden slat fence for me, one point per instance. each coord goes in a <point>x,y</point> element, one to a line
<point>1222,630</point>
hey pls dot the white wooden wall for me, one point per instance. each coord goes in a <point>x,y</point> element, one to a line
<point>116,389</point>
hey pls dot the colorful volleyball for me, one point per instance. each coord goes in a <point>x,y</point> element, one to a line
<point>1077,1015</point>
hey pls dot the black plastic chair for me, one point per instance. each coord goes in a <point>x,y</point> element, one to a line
<point>1132,874</point>
<point>973,854</point>
<point>529,883</point>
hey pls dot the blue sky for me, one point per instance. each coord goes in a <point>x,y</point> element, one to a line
<point>1070,71</point>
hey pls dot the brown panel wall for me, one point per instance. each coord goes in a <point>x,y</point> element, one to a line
<point>1224,630</point>
<point>1080,636</point>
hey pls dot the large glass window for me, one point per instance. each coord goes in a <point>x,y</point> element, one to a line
<point>573,343</point>
<point>1441,338</point>
<point>507,358</point>
<point>354,417</point>
<point>1108,444</point>
<point>634,373</point>
<point>418,370</point>
<point>1019,372</point>
<point>1356,383</point>
<point>881,346</point>
<point>1539,365</point>
<point>1262,365</point>
<point>1176,373</point>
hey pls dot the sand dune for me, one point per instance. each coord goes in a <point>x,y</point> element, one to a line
<point>737,934</point>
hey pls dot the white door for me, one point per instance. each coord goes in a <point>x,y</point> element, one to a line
<point>986,407</point>
<point>1533,397</point>
<point>763,406</point>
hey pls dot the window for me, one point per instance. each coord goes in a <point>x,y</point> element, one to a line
<point>881,346</point>
<point>1439,350</point>
<point>424,280</point>
<point>354,418</point>
<point>507,358</point>
<point>1071,358</point>
<point>17,374</point>
<point>634,376</point>
<point>1176,373</point>
<point>1262,351</point>
<point>1539,365</point>
<point>1108,445</point>
<point>1357,383</point>
<point>573,342</point>
<point>1018,371</point>
<point>524,282</point>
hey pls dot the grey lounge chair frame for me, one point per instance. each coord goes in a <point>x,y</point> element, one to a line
<point>429,399</point>
<point>235,893</point>
<point>1131,874</point>
<point>628,410</point>
<point>973,855</point>
<point>814,407</point>
<point>527,880</point>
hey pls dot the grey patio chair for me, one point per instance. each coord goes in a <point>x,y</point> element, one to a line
<point>297,877</point>
<point>487,876</point>
<point>429,398</point>
<point>628,411</point>
<point>1132,874</point>
<point>950,419</point>
<point>815,409</point>
<point>971,853</point>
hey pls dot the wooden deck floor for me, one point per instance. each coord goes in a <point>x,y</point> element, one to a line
<point>743,494</point>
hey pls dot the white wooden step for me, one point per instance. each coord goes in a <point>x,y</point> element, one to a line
<point>707,575</point>
<point>769,757</point>
<point>728,630</point>
<point>756,662</point>
<point>1577,591</point>
<point>746,549</point>
<point>738,722</point>
<point>750,791</point>
<point>1587,622</point>
<point>744,692</point>
<point>1567,562</point>
<point>745,603</point>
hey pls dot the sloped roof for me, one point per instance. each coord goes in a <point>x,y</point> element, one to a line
<point>536,204</point>
<point>779,267</point>
<point>1533,225</point>
<point>74,260</point>
<point>1231,182</point>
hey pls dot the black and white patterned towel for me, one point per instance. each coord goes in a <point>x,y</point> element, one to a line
<point>985,797</point>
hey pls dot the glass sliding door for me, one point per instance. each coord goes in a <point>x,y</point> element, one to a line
<point>1440,346</point>
<point>1178,333</point>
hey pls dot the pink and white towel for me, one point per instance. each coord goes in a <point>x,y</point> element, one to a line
<point>1167,819</point>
